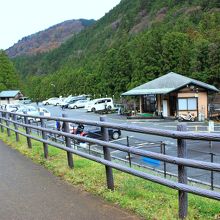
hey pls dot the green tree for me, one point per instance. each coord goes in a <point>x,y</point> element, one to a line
<point>116,71</point>
<point>176,52</point>
<point>8,77</point>
<point>214,64</point>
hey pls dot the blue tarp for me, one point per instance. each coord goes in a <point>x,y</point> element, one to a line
<point>151,161</point>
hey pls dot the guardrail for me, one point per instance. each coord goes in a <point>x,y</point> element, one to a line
<point>8,119</point>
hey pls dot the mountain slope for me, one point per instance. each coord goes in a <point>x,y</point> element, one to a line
<point>48,39</point>
<point>133,43</point>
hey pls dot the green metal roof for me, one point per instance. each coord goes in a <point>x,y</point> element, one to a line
<point>166,84</point>
<point>9,93</point>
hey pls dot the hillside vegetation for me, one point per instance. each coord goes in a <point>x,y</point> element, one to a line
<point>48,39</point>
<point>135,42</point>
<point>9,78</point>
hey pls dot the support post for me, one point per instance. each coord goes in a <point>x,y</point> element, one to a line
<point>140,104</point>
<point>68,142</point>
<point>107,156</point>
<point>182,173</point>
<point>7,116</point>
<point>163,151</point>
<point>16,127</point>
<point>1,121</point>
<point>27,130</point>
<point>44,136</point>
<point>129,154</point>
<point>212,173</point>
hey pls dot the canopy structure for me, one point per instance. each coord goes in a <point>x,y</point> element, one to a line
<point>9,93</point>
<point>167,84</point>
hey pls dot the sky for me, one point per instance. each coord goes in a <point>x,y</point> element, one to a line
<point>20,18</point>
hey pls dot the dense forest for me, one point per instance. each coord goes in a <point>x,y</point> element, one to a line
<point>135,42</point>
<point>8,76</point>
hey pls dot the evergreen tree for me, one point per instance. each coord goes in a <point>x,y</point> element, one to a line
<point>176,53</point>
<point>8,76</point>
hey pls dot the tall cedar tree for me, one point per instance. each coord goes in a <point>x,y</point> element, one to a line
<point>8,76</point>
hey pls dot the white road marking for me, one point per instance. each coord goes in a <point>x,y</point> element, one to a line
<point>120,139</point>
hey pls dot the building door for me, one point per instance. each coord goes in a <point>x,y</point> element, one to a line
<point>165,108</point>
<point>149,103</point>
<point>173,107</point>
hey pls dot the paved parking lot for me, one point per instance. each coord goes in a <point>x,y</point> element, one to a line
<point>199,150</point>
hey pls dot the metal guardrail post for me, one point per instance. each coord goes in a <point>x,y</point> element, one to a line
<point>7,116</point>
<point>1,121</point>
<point>163,151</point>
<point>107,156</point>
<point>44,136</point>
<point>212,173</point>
<point>68,142</point>
<point>16,127</point>
<point>182,173</point>
<point>129,154</point>
<point>89,148</point>
<point>26,121</point>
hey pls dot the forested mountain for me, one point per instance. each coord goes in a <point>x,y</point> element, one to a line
<point>135,42</point>
<point>48,39</point>
<point>8,77</point>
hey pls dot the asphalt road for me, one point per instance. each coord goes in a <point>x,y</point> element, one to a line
<point>199,150</point>
<point>30,192</point>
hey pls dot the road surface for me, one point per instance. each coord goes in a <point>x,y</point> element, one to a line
<point>28,192</point>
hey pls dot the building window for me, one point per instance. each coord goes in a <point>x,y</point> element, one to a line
<point>188,104</point>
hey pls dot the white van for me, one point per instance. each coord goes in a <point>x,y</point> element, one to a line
<point>100,104</point>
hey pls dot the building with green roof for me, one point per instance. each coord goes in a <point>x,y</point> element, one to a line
<point>173,94</point>
<point>10,96</point>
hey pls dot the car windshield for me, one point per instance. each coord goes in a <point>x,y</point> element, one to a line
<point>23,98</point>
<point>67,99</point>
<point>43,110</point>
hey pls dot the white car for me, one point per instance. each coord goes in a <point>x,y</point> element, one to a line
<point>100,104</point>
<point>78,104</point>
<point>30,110</point>
<point>52,101</point>
<point>24,100</point>
<point>12,107</point>
<point>44,112</point>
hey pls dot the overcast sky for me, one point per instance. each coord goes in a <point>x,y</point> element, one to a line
<point>20,18</point>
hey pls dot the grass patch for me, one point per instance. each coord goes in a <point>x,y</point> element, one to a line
<point>146,199</point>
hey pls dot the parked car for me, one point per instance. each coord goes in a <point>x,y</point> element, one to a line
<point>26,109</point>
<point>71,100</point>
<point>24,100</point>
<point>100,104</point>
<point>95,132</point>
<point>52,101</point>
<point>44,112</point>
<point>57,101</point>
<point>30,110</point>
<point>11,107</point>
<point>78,104</point>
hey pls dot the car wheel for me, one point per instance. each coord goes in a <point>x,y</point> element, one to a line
<point>75,107</point>
<point>93,110</point>
<point>115,135</point>
<point>109,107</point>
